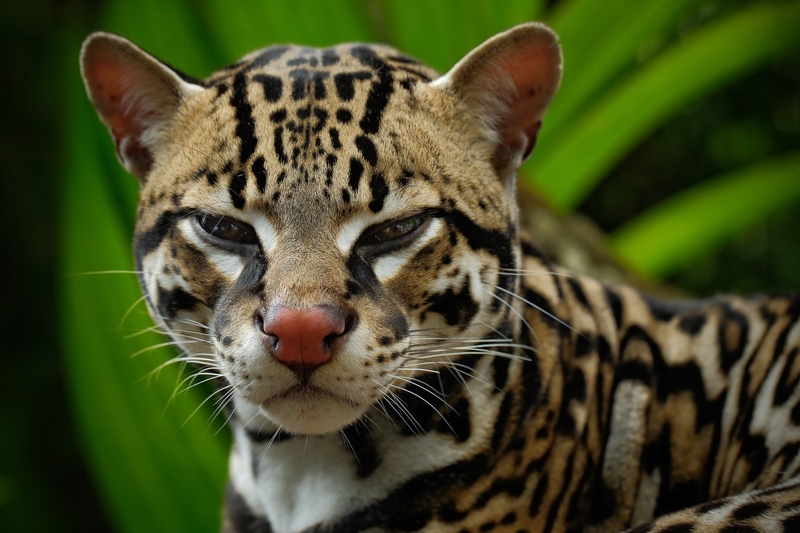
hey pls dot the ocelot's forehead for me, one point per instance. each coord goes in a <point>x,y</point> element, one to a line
<point>291,129</point>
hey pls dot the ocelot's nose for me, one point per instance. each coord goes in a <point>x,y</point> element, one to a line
<point>305,339</point>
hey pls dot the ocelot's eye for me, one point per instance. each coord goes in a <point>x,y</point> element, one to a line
<point>393,231</point>
<point>227,229</point>
<point>397,229</point>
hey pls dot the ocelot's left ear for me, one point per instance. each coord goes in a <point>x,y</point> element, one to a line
<point>508,82</point>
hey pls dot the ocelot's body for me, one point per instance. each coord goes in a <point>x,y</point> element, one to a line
<point>333,234</point>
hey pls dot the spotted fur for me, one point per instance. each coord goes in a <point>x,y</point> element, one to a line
<point>466,383</point>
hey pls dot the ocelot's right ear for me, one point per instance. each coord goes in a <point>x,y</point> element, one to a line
<point>135,94</point>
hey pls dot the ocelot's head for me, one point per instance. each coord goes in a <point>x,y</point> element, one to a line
<point>320,228</point>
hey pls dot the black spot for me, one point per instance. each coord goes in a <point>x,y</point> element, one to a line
<point>267,56</point>
<point>732,337</point>
<point>278,144</point>
<point>344,83</point>
<point>170,302</point>
<point>635,371</point>
<point>367,149</point>
<point>211,177</point>
<point>322,118</point>
<point>245,123</point>
<point>366,456</point>
<point>335,142</point>
<point>502,422</point>
<point>538,495</point>
<point>356,170</point>
<point>457,308</point>
<point>278,116</point>
<point>457,420</point>
<point>754,448</point>
<point>500,365</point>
<point>615,303</point>
<point>576,386</point>
<point>379,189</point>
<point>577,290</point>
<point>236,189</point>
<point>379,92</point>
<point>344,116</point>
<point>226,341</point>
<point>750,510</point>
<point>273,86</point>
<point>260,173</point>
<point>329,57</point>
<point>692,324</point>
<point>345,195</point>
<point>300,79</point>
<point>791,524</point>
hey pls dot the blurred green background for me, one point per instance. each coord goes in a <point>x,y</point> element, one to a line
<point>677,132</point>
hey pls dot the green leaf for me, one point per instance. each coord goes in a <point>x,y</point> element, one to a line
<point>602,42</point>
<point>602,135</point>
<point>441,32</point>
<point>683,227</point>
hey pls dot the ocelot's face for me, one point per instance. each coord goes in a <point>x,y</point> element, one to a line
<point>320,228</point>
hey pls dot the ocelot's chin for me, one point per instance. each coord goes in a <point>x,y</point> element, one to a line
<point>306,410</point>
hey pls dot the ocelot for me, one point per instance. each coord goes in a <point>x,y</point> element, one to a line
<point>334,235</point>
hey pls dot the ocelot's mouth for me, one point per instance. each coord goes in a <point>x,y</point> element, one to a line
<point>311,394</point>
<point>311,410</point>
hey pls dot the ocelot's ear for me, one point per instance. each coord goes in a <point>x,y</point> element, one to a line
<point>508,82</point>
<point>135,94</point>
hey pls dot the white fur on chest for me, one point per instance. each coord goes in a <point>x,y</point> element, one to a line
<point>301,482</point>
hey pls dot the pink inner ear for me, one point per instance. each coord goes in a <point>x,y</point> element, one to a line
<point>109,80</point>
<point>535,73</point>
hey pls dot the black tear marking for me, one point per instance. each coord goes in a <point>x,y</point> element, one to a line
<point>145,242</point>
<point>236,189</point>
<point>245,124</point>
<point>379,189</point>
<point>379,93</point>
<point>344,83</point>
<point>260,173</point>
<point>278,145</point>
<point>273,86</point>
<point>367,149</point>
<point>356,170</point>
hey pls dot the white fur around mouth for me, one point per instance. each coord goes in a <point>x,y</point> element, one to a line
<point>311,410</point>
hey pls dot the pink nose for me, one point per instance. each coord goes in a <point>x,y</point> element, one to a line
<point>304,338</point>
